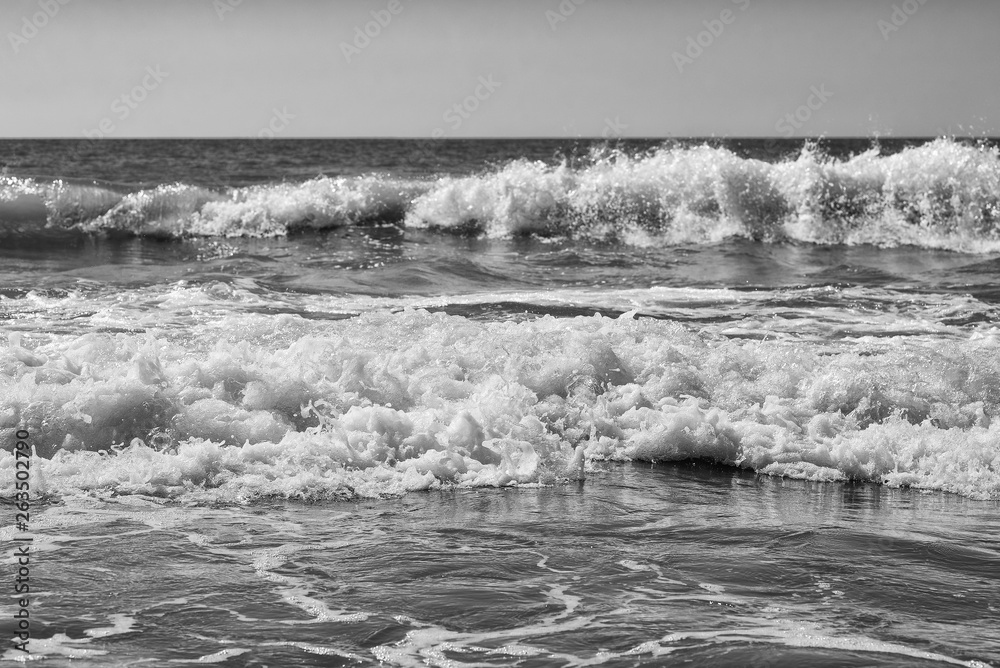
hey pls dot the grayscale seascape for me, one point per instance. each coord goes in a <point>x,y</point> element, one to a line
<point>592,400</point>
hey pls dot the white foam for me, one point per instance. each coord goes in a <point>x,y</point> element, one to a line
<point>939,195</point>
<point>221,656</point>
<point>236,406</point>
<point>74,648</point>
<point>943,194</point>
<point>318,204</point>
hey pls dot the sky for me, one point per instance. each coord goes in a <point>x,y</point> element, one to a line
<point>501,68</point>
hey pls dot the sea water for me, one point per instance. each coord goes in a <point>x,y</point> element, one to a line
<point>502,402</point>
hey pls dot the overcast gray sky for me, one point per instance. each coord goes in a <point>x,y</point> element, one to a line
<point>540,67</point>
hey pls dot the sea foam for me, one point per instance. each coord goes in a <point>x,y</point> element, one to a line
<point>943,194</point>
<point>279,406</point>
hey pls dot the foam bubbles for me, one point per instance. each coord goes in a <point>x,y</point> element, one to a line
<point>943,194</point>
<point>251,406</point>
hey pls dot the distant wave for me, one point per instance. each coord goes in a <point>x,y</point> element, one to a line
<point>943,194</point>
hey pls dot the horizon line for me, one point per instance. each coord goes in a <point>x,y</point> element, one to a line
<point>498,138</point>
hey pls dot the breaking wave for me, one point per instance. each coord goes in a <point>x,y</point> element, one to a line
<point>255,405</point>
<point>943,194</point>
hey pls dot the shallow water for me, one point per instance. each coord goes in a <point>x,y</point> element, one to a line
<point>637,566</point>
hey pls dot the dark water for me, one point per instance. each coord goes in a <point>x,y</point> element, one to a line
<point>239,162</point>
<point>638,566</point>
<point>504,402</point>
<point>236,162</point>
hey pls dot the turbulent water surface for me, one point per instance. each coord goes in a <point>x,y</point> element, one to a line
<point>505,402</point>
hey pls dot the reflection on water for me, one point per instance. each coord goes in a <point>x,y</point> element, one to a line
<point>390,262</point>
<point>640,563</point>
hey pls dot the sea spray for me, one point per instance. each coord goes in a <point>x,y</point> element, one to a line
<point>942,194</point>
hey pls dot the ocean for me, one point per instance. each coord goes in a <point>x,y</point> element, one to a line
<point>520,402</point>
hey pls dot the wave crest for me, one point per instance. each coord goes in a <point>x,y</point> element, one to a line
<point>943,194</point>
